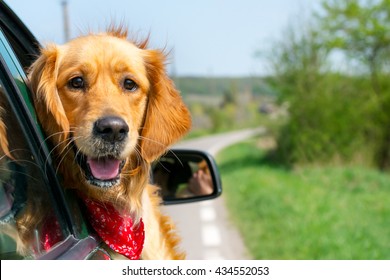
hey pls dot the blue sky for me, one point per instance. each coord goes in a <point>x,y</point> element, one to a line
<point>208,37</point>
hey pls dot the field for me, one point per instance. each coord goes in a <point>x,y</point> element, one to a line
<point>309,213</point>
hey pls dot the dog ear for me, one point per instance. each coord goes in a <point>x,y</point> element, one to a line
<point>167,118</point>
<point>43,76</point>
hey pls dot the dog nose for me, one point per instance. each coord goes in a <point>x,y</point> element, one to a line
<point>111,129</point>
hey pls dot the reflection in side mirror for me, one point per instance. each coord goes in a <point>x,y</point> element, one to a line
<point>186,176</point>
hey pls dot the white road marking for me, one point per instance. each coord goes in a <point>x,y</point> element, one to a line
<point>211,236</point>
<point>208,214</point>
<point>211,233</point>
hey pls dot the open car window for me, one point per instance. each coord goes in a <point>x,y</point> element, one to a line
<point>30,224</point>
<point>30,189</point>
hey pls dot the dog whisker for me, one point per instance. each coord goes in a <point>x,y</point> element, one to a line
<point>155,142</point>
<point>58,144</point>
<point>64,155</point>
<point>178,159</point>
<point>20,173</point>
<point>43,142</point>
<point>54,149</point>
<point>19,160</point>
<point>151,140</point>
<point>77,153</point>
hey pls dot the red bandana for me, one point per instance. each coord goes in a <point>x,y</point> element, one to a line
<point>51,233</point>
<point>116,230</point>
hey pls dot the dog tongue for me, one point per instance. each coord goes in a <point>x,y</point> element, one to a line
<point>104,168</point>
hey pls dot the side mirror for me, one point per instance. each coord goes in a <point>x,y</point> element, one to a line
<point>186,176</point>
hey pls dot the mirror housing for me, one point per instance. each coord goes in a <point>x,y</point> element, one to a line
<point>186,176</point>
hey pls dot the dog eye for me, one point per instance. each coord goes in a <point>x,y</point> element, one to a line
<point>76,83</point>
<point>130,85</point>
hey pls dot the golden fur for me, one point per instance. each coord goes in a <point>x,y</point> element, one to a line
<point>3,136</point>
<point>154,113</point>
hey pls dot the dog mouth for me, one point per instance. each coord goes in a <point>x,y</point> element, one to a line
<point>102,172</point>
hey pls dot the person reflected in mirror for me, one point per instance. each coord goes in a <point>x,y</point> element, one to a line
<point>200,183</point>
<point>182,179</point>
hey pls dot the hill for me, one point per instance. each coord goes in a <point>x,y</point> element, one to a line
<point>219,86</point>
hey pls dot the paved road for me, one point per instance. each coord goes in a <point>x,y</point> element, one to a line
<point>214,143</point>
<point>205,227</point>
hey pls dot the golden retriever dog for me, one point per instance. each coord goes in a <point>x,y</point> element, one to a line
<point>109,109</point>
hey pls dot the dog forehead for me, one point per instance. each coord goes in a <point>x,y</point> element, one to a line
<point>105,50</point>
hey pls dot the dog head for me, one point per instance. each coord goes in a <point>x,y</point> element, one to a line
<point>106,102</point>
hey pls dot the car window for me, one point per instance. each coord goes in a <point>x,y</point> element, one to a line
<point>42,170</point>
<point>30,223</point>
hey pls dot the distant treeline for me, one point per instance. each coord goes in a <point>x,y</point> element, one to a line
<point>224,103</point>
<point>221,85</point>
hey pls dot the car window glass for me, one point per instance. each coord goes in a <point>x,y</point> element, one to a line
<point>30,224</point>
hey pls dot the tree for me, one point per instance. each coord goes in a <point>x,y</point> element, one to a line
<point>298,60</point>
<point>361,29</point>
<point>299,63</point>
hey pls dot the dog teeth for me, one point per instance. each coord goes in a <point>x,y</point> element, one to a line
<point>103,184</point>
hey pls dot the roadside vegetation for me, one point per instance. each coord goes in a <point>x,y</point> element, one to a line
<point>336,212</point>
<point>333,71</point>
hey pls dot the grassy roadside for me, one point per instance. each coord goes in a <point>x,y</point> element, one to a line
<point>311,213</point>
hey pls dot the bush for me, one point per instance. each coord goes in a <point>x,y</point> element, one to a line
<point>332,117</point>
<point>329,124</point>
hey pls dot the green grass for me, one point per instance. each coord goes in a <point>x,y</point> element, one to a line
<point>310,213</point>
